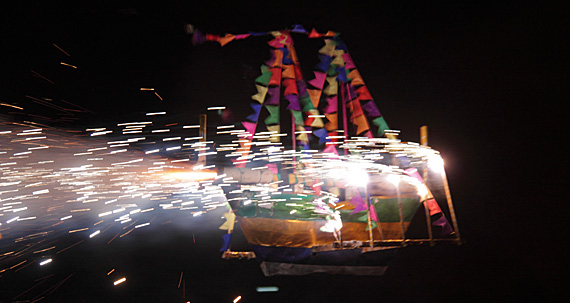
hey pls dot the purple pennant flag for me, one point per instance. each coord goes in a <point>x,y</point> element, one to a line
<point>302,88</point>
<point>273,98</point>
<point>293,102</point>
<point>298,28</point>
<point>371,109</point>
<point>226,242</point>
<point>444,224</point>
<point>358,203</point>
<point>198,37</point>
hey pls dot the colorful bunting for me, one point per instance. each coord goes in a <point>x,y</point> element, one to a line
<point>293,102</point>
<point>332,105</point>
<point>371,109</point>
<point>332,124</point>
<point>256,110</point>
<point>261,92</point>
<point>382,125</point>
<point>273,98</point>
<point>249,128</point>
<point>273,117</point>
<point>322,134</point>
<point>319,80</point>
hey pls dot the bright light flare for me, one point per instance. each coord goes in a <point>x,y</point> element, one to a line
<point>192,175</point>
<point>436,163</point>
<point>237,299</point>
<point>44,262</point>
<point>121,280</point>
<point>394,179</point>
<point>357,177</point>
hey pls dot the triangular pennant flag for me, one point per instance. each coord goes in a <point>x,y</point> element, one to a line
<point>226,242</point>
<point>273,98</point>
<point>298,117</point>
<point>314,34</point>
<point>256,110</point>
<point>355,108</point>
<point>306,103</point>
<point>330,149</point>
<point>273,117</point>
<point>382,125</point>
<point>276,58</point>
<point>342,75</point>
<point>226,39</point>
<point>338,59</point>
<point>332,87</point>
<point>369,134</point>
<point>319,80</point>
<point>332,105</point>
<point>373,215</point>
<point>361,124</point>
<point>249,128</point>
<point>211,37</point>
<point>242,36</point>
<point>275,76</point>
<point>328,49</point>
<point>358,202</point>
<point>278,42</point>
<point>322,134</point>
<point>290,87</point>
<point>297,28</point>
<point>293,102</point>
<point>348,63</point>
<point>332,124</point>
<point>354,75</point>
<point>198,37</point>
<point>317,122</point>
<point>315,96</point>
<point>274,128</point>
<point>265,75</point>
<point>324,63</point>
<point>261,92</point>
<point>363,93</point>
<point>302,136</point>
<point>288,72</point>
<point>230,221</point>
<point>330,34</point>
<point>371,109</point>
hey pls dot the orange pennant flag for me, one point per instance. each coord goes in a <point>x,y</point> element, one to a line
<point>315,96</point>
<point>356,78</point>
<point>361,124</point>
<point>332,124</point>
<point>314,34</point>
<point>288,71</point>
<point>226,39</point>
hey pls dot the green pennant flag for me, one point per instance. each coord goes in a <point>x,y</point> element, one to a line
<point>382,125</point>
<point>306,103</point>
<point>298,115</point>
<point>265,75</point>
<point>273,117</point>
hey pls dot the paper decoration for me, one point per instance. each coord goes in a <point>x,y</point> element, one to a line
<point>274,128</point>
<point>265,75</point>
<point>348,63</point>
<point>230,221</point>
<point>332,87</point>
<point>363,93</point>
<point>332,124</point>
<point>290,87</point>
<point>298,116</point>
<point>354,75</point>
<point>273,117</point>
<point>249,128</point>
<point>275,76</point>
<point>322,134</point>
<point>332,105</point>
<point>371,109</point>
<point>319,80</point>
<point>293,102</point>
<point>330,149</point>
<point>328,49</point>
<point>226,39</point>
<point>315,96</point>
<point>273,98</point>
<point>261,92</point>
<point>256,110</point>
<point>288,71</point>
<point>361,124</point>
<point>382,125</point>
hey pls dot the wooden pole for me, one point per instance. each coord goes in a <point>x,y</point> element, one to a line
<point>203,129</point>
<point>424,143</point>
<point>450,206</point>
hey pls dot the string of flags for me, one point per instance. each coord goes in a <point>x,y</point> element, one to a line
<point>313,104</point>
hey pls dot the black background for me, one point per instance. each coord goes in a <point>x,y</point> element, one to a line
<point>489,79</point>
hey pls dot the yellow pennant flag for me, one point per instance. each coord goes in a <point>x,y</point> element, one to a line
<point>274,128</point>
<point>338,59</point>
<point>332,88</point>
<point>318,122</point>
<point>230,221</point>
<point>261,92</point>
<point>328,49</point>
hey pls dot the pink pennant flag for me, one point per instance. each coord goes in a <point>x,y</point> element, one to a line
<point>348,63</point>
<point>250,128</point>
<point>319,80</point>
<point>330,149</point>
<point>373,215</point>
<point>272,167</point>
<point>332,105</point>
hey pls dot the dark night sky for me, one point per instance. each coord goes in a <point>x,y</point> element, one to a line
<point>490,81</point>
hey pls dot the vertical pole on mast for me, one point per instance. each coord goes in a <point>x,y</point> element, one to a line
<point>203,128</point>
<point>424,143</point>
